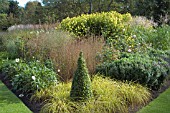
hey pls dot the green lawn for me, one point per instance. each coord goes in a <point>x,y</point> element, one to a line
<point>159,105</point>
<point>9,103</point>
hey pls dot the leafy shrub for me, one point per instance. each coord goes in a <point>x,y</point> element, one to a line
<point>135,67</point>
<point>28,77</point>
<point>3,22</point>
<point>15,43</point>
<point>13,47</point>
<point>81,84</point>
<point>158,37</point>
<point>3,57</point>
<point>162,38</point>
<point>108,53</point>
<point>111,25</point>
<point>164,55</point>
<point>1,43</point>
<point>98,23</point>
<point>6,20</point>
<point>109,97</point>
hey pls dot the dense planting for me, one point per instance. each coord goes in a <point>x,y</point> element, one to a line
<point>139,68</point>
<point>112,26</point>
<point>28,77</point>
<point>109,97</point>
<point>123,47</point>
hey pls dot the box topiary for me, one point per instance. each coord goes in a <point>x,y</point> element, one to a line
<point>81,85</point>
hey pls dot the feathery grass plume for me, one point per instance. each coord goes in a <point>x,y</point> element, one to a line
<point>81,85</point>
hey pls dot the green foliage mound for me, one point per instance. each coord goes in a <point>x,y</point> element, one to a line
<point>81,85</point>
<point>28,76</point>
<point>146,35</point>
<point>3,22</point>
<point>105,24</point>
<point>161,40</point>
<point>139,68</point>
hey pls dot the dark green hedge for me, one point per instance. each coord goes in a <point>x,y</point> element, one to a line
<point>146,70</point>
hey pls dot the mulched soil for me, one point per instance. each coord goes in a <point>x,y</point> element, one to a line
<point>35,106</point>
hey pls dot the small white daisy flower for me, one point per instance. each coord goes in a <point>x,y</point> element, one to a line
<point>58,70</point>
<point>33,77</point>
<point>21,95</point>
<point>17,60</point>
<point>134,36</point>
<point>38,61</point>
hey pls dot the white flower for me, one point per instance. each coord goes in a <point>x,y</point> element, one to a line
<point>17,60</point>
<point>17,75</point>
<point>33,77</point>
<point>41,31</point>
<point>123,30</point>
<point>58,70</point>
<point>134,36</point>
<point>38,61</point>
<point>21,95</point>
<point>38,32</point>
<point>129,50</point>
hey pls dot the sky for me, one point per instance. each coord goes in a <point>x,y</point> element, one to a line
<point>23,2</point>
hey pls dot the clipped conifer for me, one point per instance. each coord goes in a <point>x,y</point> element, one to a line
<point>81,84</point>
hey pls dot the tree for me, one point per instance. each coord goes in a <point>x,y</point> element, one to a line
<point>109,5</point>
<point>13,8</point>
<point>3,22</point>
<point>4,5</point>
<point>81,84</point>
<point>90,6</point>
<point>33,12</point>
<point>161,10</point>
<point>156,9</point>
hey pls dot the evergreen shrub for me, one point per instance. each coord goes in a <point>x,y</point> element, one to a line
<point>81,85</point>
<point>105,23</point>
<point>144,69</point>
